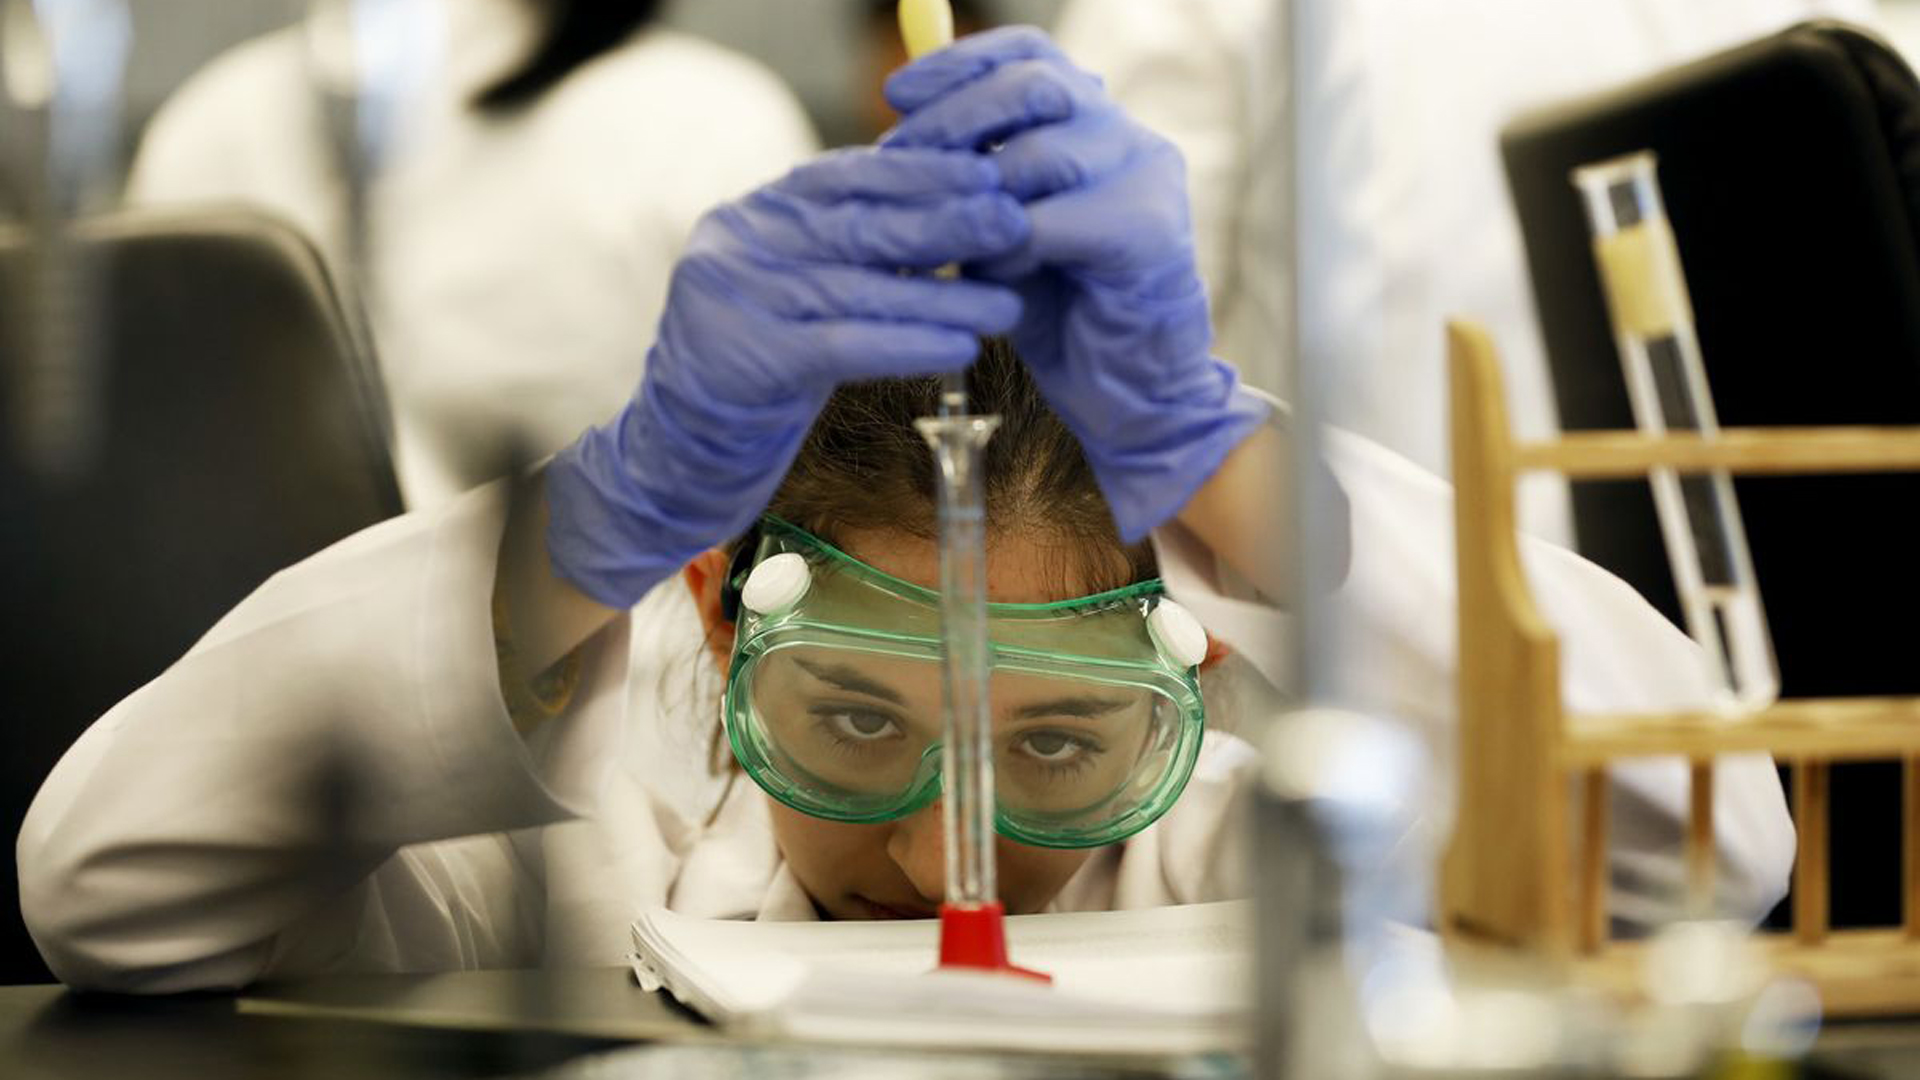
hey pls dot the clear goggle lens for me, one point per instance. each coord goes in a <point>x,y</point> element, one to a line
<point>834,705</point>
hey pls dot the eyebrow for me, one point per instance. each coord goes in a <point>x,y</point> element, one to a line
<point>850,680</point>
<point>1082,707</point>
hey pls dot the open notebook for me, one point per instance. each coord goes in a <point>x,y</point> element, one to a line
<point>1174,980</point>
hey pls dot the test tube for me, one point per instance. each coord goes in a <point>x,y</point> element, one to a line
<point>1640,271</point>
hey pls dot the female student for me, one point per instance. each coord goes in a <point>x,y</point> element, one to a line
<point>692,665</point>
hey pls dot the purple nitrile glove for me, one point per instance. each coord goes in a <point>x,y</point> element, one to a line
<point>780,296</point>
<point>1114,323</point>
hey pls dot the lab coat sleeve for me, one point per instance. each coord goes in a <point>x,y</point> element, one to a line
<point>270,804</point>
<point>1396,657</point>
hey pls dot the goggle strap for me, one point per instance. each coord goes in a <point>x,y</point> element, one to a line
<point>738,568</point>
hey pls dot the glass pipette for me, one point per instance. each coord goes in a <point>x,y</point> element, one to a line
<point>1640,270</point>
<point>972,933</point>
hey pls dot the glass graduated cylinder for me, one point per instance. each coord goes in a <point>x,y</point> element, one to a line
<point>959,442</point>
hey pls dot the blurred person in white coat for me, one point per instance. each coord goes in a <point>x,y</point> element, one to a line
<point>543,177</point>
<point>524,699</point>
<point>1405,216</point>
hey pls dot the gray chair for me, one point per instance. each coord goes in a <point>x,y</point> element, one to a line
<point>240,430</point>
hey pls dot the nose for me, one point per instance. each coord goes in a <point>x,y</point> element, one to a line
<point>918,846</point>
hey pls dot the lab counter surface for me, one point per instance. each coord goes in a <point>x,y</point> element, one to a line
<point>429,1027</point>
<point>499,1023</point>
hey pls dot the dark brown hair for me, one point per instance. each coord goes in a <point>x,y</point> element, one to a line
<point>576,32</point>
<point>865,466</point>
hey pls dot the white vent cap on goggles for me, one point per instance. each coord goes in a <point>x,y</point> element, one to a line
<point>777,584</point>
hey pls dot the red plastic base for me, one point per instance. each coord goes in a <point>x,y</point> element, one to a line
<point>976,937</point>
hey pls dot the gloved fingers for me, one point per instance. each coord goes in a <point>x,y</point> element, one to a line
<point>838,292</point>
<point>1074,231</point>
<point>1048,160</point>
<point>965,60</point>
<point>920,237</point>
<point>904,174</point>
<point>1017,96</point>
<point>848,350</point>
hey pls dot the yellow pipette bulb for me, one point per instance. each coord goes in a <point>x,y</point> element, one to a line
<point>925,25</point>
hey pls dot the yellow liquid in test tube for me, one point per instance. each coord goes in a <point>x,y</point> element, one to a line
<point>925,25</point>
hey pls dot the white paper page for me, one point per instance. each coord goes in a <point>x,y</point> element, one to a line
<point>1163,980</point>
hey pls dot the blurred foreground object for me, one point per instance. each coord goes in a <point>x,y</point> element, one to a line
<point>1336,864</point>
<point>63,63</point>
<point>775,1062</point>
<point>369,61</point>
<point>235,438</point>
<point>1315,827</point>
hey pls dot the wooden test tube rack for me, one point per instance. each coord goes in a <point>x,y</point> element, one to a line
<point>1526,867</point>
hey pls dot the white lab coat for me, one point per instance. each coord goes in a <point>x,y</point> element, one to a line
<point>520,263</point>
<point>1405,216</point>
<point>182,841</point>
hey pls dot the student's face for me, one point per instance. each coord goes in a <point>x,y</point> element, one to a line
<point>897,868</point>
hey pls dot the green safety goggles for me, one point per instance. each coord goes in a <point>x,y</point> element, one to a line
<point>833,700</point>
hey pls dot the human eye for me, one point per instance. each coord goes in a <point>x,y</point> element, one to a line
<point>1057,749</point>
<point>854,728</point>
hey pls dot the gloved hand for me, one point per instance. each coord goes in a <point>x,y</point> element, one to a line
<point>1114,324</point>
<point>780,296</point>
